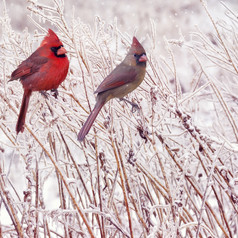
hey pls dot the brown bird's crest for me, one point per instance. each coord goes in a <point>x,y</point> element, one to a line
<point>136,43</point>
<point>126,77</point>
<point>136,47</point>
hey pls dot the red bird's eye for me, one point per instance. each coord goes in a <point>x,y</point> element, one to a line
<point>54,49</point>
<point>59,51</point>
<point>45,69</point>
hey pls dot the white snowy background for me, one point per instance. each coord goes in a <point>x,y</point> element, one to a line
<point>168,170</point>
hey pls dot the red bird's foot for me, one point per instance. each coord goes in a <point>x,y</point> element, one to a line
<point>44,69</point>
<point>55,93</point>
<point>44,94</point>
<point>134,105</point>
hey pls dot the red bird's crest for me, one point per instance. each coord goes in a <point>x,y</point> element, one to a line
<point>51,38</point>
<point>45,69</point>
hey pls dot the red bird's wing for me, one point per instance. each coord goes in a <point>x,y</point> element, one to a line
<point>121,75</point>
<point>29,66</point>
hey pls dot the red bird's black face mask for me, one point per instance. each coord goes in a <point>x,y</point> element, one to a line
<point>57,53</point>
<point>41,71</point>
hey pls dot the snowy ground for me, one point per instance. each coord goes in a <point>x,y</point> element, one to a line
<point>169,170</point>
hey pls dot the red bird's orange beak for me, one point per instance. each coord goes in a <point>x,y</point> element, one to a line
<point>61,51</point>
<point>143,58</point>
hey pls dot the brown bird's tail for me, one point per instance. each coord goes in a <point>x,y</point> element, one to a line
<point>23,110</point>
<point>87,125</point>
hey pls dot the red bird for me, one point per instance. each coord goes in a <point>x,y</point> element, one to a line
<point>44,70</point>
<point>126,77</point>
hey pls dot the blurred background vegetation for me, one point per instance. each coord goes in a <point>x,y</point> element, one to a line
<point>169,170</point>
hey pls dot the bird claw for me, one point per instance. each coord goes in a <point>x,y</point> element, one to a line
<point>55,93</point>
<point>44,94</point>
<point>134,108</point>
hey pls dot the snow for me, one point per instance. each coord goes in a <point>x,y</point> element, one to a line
<point>174,161</point>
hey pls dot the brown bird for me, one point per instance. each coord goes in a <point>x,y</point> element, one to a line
<point>126,77</point>
<point>45,69</point>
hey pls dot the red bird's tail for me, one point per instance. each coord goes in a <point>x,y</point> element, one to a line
<point>87,125</point>
<point>23,110</point>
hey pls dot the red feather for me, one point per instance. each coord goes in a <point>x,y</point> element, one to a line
<point>51,38</point>
<point>29,66</point>
<point>45,69</point>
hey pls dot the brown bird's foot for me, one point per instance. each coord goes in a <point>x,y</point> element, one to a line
<point>55,93</point>
<point>134,105</point>
<point>44,94</point>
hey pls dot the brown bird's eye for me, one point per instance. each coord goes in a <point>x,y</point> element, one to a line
<point>135,55</point>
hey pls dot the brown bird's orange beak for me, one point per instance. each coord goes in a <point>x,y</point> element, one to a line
<point>61,51</point>
<point>143,58</point>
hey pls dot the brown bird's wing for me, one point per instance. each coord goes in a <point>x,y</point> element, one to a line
<point>121,75</point>
<point>29,66</point>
